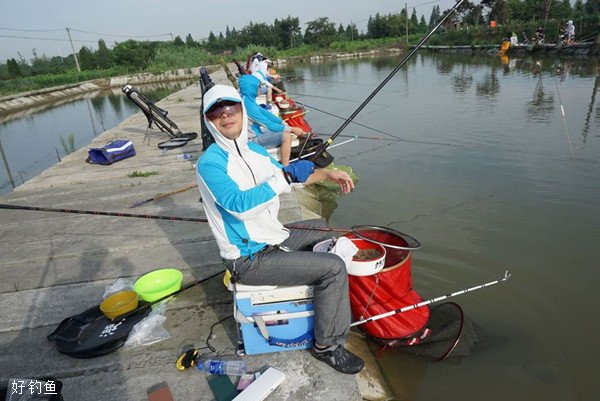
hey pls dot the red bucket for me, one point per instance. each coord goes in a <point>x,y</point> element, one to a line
<point>386,291</point>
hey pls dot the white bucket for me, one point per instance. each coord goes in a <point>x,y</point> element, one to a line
<point>358,267</point>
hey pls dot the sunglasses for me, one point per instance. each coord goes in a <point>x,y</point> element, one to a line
<point>225,106</point>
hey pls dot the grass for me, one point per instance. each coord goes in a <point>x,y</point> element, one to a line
<point>142,173</point>
<point>26,84</point>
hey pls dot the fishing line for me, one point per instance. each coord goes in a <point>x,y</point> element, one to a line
<point>353,122</point>
<point>297,78</point>
<point>377,130</point>
<point>376,138</point>
<point>323,97</point>
<point>327,143</point>
<point>562,110</point>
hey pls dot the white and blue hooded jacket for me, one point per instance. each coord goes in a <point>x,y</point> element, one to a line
<point>240,186</point>
<point>259,116</point>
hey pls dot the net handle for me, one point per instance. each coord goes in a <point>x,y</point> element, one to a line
<point>411,243</point>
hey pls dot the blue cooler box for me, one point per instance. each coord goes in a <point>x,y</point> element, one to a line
<point>287,313</point>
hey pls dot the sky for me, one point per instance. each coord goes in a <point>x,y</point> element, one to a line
<point>46,20</point>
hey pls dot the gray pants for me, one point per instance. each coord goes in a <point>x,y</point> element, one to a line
<point>325,271</point>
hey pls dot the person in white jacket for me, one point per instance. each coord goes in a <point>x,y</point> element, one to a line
<point>240,186</point>
<point>259,67</point>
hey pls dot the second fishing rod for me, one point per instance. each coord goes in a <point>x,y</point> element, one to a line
<point>321,151</point>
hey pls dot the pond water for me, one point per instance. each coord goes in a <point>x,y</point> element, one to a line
<point>487,174</point>
<point>33,140</point>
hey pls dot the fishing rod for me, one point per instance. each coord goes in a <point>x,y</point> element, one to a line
<point>326,144</point>
<point>431,301</point>
<point>144,216</point>
<point>312,153</point>
<point>282,316</point>
<point>160,196</point>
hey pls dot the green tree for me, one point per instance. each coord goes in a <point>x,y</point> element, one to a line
<point>132,53</point>
<point>422,24</point>
<point>178,42</point>
<point>592,7</point>
<point>498,10</point>
<point>86,59</point>
<point>258,34</point>
<point>40,65</point>
<point>352,32</point>
<point>414,21</point>
<point>189,41</point>
<point>435,16</point>
<point>578,8</point>
<point>103,56</point>
<point>288,31</point>
<point>13,68</point>
<point>320,32</point>
<point>376,27</point>
<point>341,32</point>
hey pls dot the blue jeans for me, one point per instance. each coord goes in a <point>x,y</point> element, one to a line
<point>269,139</point>
<point>325,271</point>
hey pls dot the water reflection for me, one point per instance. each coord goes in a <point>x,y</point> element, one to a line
<point>542,106</point>
<point>444,66</point>
<point>586,125</point>
<point>98,103</point>
<point>463,81</point>
<point>489,87</point>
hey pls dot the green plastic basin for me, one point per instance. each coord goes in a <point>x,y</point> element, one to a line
<point>158,283</point>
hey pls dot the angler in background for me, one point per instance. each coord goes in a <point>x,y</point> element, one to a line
<point>240,186</point>
<point>568,37</point>
<point>539,36</point>
<point>259,67</point>
<point>267,129</point>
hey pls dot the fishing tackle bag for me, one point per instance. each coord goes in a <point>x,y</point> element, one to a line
<point>91,334</point>
<point>111,152</point>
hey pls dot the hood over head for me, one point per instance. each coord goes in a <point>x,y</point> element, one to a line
<point>249,86</point>
<point>216,94</point>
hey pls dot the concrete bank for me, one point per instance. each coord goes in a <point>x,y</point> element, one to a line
<point>25,100</point>
<point>54,265</point>
<point>575,50</point>
<point>338,56</point>
<point>20,101</point>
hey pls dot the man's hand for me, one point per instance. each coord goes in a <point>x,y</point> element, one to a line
<point>341,178</point>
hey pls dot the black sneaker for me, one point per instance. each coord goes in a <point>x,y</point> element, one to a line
<point>340,359</point>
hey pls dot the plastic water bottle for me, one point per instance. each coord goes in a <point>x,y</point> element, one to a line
<point>223,367</point>
<point>184,156</point>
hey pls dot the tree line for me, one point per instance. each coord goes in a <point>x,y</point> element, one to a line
<point>471,23</point>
